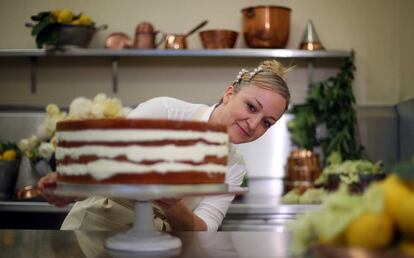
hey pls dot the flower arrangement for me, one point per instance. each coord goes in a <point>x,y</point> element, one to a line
<point>42,144</point>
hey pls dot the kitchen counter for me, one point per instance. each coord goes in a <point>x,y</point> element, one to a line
<point>262,215</point>
<point>53,243</point>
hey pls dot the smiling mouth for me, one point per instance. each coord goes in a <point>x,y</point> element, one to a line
<point>243,131</point>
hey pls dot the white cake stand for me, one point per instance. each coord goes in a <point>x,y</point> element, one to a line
<point>142,237</point>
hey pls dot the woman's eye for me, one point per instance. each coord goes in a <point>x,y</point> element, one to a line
<point>251,107</point>
<point>267,124</point>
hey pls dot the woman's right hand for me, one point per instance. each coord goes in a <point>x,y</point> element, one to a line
<point>50,181</point>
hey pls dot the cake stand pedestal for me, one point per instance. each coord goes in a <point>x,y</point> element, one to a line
<point>142,237</point>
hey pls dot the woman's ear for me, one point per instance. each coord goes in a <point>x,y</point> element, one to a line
<point>228,93</point>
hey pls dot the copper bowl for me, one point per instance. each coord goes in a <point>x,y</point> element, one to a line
<point>266,26</point>
<point>214,39</point>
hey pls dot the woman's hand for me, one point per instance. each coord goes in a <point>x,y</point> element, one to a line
<point>166,203</point>
<point>49,181</point>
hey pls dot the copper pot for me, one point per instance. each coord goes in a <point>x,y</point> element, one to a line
<point>216,39</point>
<point>179,41</point>
<point>266,26</point>
<point>302,169</point>
<point>175,41</point>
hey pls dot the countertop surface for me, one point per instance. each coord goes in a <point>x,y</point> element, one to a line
<point>54,243</point>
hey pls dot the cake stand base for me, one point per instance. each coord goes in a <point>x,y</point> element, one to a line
<point>143,236</point>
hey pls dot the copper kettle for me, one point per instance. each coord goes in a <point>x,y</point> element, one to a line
<point>145,36</point>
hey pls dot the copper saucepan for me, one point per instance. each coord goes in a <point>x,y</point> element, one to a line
<point>266,26</point>
<point>179,41</point>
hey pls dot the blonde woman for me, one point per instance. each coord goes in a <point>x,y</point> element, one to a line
<point>249,107</point>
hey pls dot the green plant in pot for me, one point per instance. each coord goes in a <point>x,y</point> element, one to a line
<point>327,119</point>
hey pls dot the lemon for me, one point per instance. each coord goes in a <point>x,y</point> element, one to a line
<point>85,20</point>
<point>56,13</point>
<point>337,240</point>
<point>9,155</point>
<point>405,217</point>
<point>407,247</point>
<point>395,192</point>
<point>370,230</point>
<point>75,22</point>
<point>65,16</point>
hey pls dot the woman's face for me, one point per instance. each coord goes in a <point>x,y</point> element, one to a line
<point>250,112</point>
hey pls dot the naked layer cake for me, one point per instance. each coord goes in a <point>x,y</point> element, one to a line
<point>141,151</point>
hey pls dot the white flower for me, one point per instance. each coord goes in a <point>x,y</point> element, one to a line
<point>112,108</point>
<point>42,131</point>
<point>101,97</point>
<point>97,109</point>
<point>125,111</point>
<point>80,108</point>
<point>33,142</point>
<point>52,109</point>
<point>46,150</point>
<point>23,145</point>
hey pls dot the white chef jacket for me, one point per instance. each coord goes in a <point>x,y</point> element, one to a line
<point>98,213</point>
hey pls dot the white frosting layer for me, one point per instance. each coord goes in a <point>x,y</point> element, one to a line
<point>125,135</point>
<point>136,153</point>
<point>102,169</point>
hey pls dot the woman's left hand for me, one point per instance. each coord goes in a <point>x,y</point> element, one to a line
<point>166,203</point>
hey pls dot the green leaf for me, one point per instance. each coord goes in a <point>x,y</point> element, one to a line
<point>49,35</point>
<point>405,170</point>
<point>40,16</point>
<point>41,25</point>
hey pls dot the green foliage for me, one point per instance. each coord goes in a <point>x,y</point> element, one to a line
<point>405,170</point>
<point>329,104</point>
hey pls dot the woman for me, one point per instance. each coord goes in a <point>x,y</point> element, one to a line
<point>249,106</point>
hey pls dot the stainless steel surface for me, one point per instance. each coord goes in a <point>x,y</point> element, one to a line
<point>138,192</point>
<point>267,156</point>
<point>253,53</point>
<point>406,129</point>
<point>380,142</point>
<point>18,125</point>
<point>45,244</point>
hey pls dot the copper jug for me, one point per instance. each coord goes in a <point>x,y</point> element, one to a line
<point>145,36</point>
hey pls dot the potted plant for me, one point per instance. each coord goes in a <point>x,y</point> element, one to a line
<point>327,118</point>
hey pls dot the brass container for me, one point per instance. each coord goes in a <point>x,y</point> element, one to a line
<point>302,170</point>
<point>216,39</point>
<point>266,26</point>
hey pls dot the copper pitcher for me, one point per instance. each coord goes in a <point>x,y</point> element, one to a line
<point>266,26</point>
<point>145,36</point>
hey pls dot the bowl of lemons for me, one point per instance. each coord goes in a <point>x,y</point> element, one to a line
<point>62,28</point>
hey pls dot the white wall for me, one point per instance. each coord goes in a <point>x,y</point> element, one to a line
<point>380,32</point>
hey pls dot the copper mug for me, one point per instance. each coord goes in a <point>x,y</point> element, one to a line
<point>145,36</point>
<point>175,41</point>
